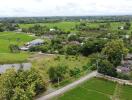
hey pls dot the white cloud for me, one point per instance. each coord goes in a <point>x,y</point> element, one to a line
<point>64,7</point>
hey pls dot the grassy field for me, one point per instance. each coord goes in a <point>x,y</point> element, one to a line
<point>98,89</point>
<point>7,38</point>
<point>66,26</point>
<point>43,63</point>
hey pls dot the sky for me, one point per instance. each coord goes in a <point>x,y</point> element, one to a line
<point>25,8</point>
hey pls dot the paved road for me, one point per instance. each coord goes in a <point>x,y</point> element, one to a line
<point>68,87</point>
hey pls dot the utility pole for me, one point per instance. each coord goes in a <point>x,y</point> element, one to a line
<point>97,64</point>
<point>58,81</point>
<point>122,59</point>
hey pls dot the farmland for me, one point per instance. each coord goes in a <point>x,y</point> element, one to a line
<point>98,89</point>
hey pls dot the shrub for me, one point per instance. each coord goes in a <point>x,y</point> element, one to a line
<point>74,72</point>
<point>14,48</point>
<point>123,76</point>
<point>57,72</point>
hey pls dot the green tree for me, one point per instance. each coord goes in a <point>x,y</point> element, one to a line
<point>57,72</point>
<point>106,68</point>
<point>73,49</point>
<point>92,46</point>
<point>21,85</point>
<point>74,72</point>
<point>73,37</point>
<point>114,50</point>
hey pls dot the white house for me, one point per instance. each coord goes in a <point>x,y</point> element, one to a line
<point>51,30</point>
<point>122,27</point>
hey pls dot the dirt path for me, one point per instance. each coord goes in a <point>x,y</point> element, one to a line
<point>116,92</point>
<point>68,87</point>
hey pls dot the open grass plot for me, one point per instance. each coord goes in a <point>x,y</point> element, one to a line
<point>44,62</point>
<point>98,89</point>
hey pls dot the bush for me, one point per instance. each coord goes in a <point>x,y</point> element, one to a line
<point>57,72</point>
<point>106,68</point>
<point>93,67</point>
<point>123,76</point>
<point>72,49</point>
<point>74,72</point>
<point>86,67</point>
<point>14,48</point>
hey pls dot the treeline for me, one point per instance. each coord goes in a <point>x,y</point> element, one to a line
<point>26,20</point>
<point>8,27</point>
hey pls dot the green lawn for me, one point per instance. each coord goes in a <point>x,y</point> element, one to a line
<point>97,89</point>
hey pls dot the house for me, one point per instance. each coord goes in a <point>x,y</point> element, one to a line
<point>74,42</point>
<point>71,34</point>
<point>33,43</point>
<point>125,67</point>
<point>51,30</point>
<point>36,42</point>
<point>128,57</point>
<point>18,30</point>
<point>121,27</point>
<point>24,48</point>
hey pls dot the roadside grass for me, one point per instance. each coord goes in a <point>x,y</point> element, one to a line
<point>7,38</point>
<point>8,58</point>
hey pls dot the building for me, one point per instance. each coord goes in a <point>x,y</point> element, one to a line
<point>33,43</point>
<point>36,42</point>
<point>125,67</point>
<point>121,27</point>
<point>51,30</point>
